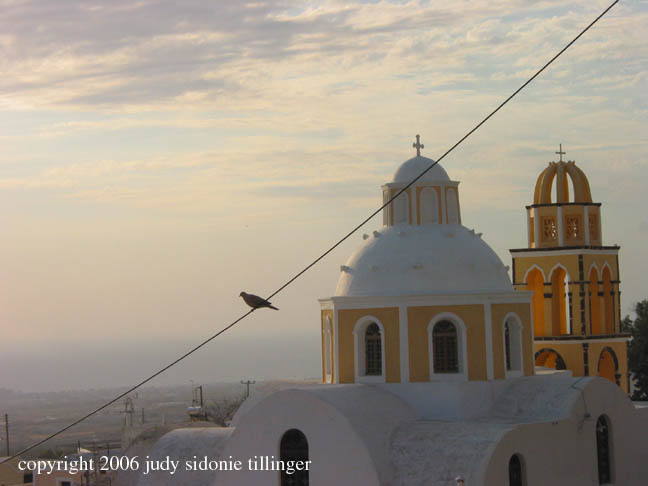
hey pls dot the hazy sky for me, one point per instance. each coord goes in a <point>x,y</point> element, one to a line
<point>159,157</point>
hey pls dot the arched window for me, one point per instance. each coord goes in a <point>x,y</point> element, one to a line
<point>429,206</point>
<point>549,358</point>
<point>328,355</point>
<point>294,447</point>
<point>595,302</point>
<point>373,350</point>
<point>369,357</point>
<point>386,208</point>
<point>512,347</point>
<point>560,302</point>
<point>535,283</point>
<point>603,450</point>
<point>608,299</point>
<point>453,206</point>
<point>606,368</point>
<point>515,473</point>
<point>401,209</point>
<point>445,349</point>
<point>507,346</point>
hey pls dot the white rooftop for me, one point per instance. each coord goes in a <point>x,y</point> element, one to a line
<point>411,168</point>
<point>422,260</point>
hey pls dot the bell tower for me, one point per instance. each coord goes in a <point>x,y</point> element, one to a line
<point>573,276</point>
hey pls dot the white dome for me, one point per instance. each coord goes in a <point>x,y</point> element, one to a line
<point>414,166</point>
<point>429,259</point>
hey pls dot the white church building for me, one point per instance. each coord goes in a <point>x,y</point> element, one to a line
<point>428,378</point>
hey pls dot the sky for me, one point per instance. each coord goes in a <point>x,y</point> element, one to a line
<point>158,157</point>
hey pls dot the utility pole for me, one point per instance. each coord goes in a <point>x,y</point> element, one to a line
<point>247,385</point>
<point>129,410</point>
<point>7,432</point>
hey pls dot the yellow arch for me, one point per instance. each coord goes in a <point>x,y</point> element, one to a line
<point>560,171</point>
<point>559,300</point>
<point>607,366</point>
<point>535,283</point>
<point>608,300</point>
<point>595,301</point>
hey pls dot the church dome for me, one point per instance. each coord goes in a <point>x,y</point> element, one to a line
<point>423,260</point>
<point>411,168</point>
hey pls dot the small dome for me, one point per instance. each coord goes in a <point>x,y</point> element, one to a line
<point>430,259</point>
<point>414,166</point>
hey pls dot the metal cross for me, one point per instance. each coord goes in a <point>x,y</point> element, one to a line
<point>418,145</point>
<point>561,152</point>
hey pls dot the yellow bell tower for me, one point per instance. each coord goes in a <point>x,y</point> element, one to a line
<point>574,278</point>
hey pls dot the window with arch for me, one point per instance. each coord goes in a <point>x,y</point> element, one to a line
<point>401,209</point>
<point>507,346</point>
<point>560,302</point>
<point>595,302</point>
<point>429,206</point>
<point>512,347</point>
<point>445,347</point>
<point>453,206</point>
<point>535,282</point>
<point>608,301</point>
<point>328,351</point>
<point>294,447</point>
<point>515,472</point>
<point>386,209</point>
<point>603,450</point>
<point>373,350</point>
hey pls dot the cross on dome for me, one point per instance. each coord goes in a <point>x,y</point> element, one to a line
<point>560,152</point>
<point>418,145</point>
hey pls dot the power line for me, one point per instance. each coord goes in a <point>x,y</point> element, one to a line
<point>318,259</point>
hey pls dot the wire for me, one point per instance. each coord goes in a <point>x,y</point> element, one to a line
<point>318,259</point>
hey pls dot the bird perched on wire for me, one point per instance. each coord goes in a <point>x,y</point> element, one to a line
<point>255,301</point>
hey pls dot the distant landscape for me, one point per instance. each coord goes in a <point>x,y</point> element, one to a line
<point>34,416</point>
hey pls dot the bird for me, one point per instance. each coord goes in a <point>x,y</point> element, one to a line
<point>255,301</point>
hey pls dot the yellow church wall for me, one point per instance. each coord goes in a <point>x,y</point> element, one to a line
<point>554,317</point>
<point>595,236</point>
<point>546,263</point>
<point>498,313</point>
<point>347,319</point>
<point>572,354</point>
<point>328,313</point>
<point>418,320</point>
<point>600,261</point>
<point>604,308</point>
<point>620,348</point>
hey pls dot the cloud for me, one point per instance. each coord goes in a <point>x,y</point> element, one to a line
<point>332,85</point>
<point>162,55</point>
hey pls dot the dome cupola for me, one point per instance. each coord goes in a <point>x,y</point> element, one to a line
<point>432,199</point>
